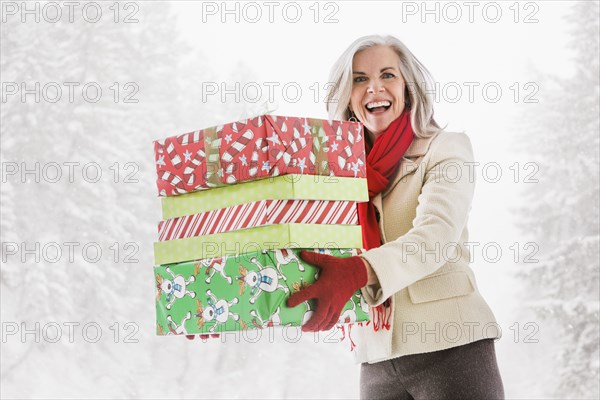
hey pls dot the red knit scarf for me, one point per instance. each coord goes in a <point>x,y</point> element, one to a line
<point>382,161</point>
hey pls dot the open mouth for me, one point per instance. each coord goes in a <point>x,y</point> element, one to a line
<point>378,107</point>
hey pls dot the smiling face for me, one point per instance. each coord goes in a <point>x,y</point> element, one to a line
<point>377,88</point>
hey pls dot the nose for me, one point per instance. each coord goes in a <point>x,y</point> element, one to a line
<point>375,86</point>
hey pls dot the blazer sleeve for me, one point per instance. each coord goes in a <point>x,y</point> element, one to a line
<point>442,213</point>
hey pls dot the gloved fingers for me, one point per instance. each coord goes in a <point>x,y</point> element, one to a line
<point>318,319</point>
<point>319,325</point>
<point>315,259</point>
<point>324,326</point>
<point>309,292</point>
<point>335,317</point>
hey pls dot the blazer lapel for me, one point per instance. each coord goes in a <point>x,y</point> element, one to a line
<point>410,160</point>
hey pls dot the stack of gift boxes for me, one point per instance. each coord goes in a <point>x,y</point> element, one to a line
<point>240,201</point>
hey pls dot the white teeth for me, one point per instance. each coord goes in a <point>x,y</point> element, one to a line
<point>378,104</point>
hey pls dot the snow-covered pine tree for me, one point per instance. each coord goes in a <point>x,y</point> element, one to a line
<point>110,131</point>
<point>169,77</point>
<point>561,134</point>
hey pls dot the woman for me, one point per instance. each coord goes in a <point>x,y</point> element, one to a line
<point>432,334</point>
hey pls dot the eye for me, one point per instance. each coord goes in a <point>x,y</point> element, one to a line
<point>388,75</point>
<point>359,79</point>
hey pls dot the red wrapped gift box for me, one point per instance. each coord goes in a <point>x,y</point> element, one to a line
<point>256,148</point>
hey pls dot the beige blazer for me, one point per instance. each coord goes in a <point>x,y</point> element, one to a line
<point>423,264</point>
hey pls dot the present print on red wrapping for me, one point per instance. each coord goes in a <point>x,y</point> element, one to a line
<point>256,148</point>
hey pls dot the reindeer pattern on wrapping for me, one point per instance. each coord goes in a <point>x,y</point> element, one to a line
<point>216,310</point>
<point>275,320</point>
<point>214,265</point>
<point>349,316</point>
<point>265,279</point>
<point>263,282</point>
<point>177,329</point>
<point>174,288</point>
<point>285,257</point>
<point>308,313</point>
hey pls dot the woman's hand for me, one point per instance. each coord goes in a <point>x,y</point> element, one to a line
<point>338,280</point>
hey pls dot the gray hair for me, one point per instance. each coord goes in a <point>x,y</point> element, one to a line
<point>417,78</point>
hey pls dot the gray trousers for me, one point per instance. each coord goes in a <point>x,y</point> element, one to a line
<point>463,372</point>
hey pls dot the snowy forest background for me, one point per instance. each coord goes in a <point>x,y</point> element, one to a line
<point>548,309</point>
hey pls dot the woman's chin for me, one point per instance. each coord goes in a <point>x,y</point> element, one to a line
<point>378,128</point>
<point>379,123</point>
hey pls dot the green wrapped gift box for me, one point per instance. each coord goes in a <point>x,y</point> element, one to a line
<point>246,291</point>
<point>287,187</point>
<point>268,237</point>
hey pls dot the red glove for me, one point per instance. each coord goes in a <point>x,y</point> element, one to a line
<point>338,280</point>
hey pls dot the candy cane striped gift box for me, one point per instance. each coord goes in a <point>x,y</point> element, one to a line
<point>292,210</point>
<point>265,212</point>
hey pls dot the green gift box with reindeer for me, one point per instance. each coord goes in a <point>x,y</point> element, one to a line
<point>246,291</point>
